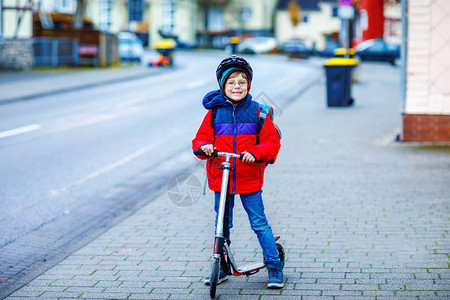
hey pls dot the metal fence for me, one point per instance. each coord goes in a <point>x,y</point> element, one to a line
<point>54,52</point>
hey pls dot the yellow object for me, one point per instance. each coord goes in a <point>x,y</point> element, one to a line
<point>165,44</point>
<point>341,51</point>
<point>234,40</point>
<point>338,61</point>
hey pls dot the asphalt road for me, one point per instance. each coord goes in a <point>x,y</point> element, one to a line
<point>73,164</point>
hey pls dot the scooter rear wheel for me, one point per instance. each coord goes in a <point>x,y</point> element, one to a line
<point>214,278</point>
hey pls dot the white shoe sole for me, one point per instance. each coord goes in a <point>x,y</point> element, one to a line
<point>275,285</point>
<point>208,281</point>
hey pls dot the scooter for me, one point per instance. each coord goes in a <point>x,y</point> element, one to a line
<point>222,255</point>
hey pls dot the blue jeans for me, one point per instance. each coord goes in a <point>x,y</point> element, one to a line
<point>253,205</point>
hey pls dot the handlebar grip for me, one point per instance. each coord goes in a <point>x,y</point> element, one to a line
<point>199,152</point>
<point>241,156</point>
<point>202,153</point>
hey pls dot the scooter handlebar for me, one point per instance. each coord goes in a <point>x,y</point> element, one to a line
<point>200,152</point>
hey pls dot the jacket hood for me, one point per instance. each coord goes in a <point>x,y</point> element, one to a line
<point>215,98</point>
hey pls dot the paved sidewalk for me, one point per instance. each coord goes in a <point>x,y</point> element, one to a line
<point>359,215</point>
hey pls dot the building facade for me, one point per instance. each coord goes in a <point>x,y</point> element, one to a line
<point>427,103</point>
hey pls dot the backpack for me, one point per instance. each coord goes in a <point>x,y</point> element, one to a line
<point>264,110</point>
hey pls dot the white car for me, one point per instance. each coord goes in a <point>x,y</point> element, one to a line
<point>259,44</point>
<point>130,47</point>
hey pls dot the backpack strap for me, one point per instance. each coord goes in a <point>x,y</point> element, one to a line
<point>264,110</point>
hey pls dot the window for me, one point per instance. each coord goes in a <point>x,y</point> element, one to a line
<point>168,16</point>
<point>216,20</point>
<point>135,10</point>
<point>105,15</point>
<point>65,6</point>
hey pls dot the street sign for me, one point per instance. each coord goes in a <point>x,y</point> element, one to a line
<point>346,12</point>
<point>345,2</point>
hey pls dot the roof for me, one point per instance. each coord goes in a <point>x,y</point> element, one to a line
<point>304,4</point>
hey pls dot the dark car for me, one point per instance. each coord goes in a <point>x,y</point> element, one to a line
<point>378,50</point>
<point>329,50</point>
<point>296,49</point>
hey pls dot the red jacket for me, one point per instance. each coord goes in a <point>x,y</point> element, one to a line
<point>235,131</point>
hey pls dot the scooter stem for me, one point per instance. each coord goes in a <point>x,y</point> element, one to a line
<point>223,196</point>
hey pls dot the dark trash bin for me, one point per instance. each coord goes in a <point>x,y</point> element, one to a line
<point>339,80</point>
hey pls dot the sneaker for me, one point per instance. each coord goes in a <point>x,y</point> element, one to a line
<point>275,279</point>
<point>222,278</point>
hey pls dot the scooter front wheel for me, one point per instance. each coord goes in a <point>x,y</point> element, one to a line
<point>281,254</point>
<point>214,278</point>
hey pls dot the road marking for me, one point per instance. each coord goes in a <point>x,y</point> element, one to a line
<point>195,84</point>
<point>20,130</point>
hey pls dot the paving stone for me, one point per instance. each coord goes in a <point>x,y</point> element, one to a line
<point>80,290</point>
<point>65,294</point>
<point>342,293</point>
<point>105,296</point>
<point>27,293</point>
<point>149,296</point>
<point>359,287</point>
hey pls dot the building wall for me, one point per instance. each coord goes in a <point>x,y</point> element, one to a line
<point>375,18</point>
<point>261,16</point>
<point>393,22</point>
<point>427,106</point>
<point>156,11</point>
<point>186,14</point>
<point>10,18</point>
<point>320,23</point>
<point>119,14</point>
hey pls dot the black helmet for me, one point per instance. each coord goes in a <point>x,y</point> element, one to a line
<point>230,65</point>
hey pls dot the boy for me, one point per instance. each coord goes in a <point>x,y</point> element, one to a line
<point>231,126</point>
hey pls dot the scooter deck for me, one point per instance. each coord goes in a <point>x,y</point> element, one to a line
<point>251,267</point>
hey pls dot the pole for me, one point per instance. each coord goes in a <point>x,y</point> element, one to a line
<point>1,19</point>
<point>346,37</point>
<point>346,11</point>
<point>404,51</point>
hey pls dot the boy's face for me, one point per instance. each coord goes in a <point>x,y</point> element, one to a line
<point>236,88</point>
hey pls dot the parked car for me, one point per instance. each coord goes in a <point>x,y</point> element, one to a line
<point>130,47</point>
<point>259,44</point>
<point>329,50</point>
<point>296,48</point>
<point>378,50</point>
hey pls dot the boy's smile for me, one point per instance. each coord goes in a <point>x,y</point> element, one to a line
<point>236,88</point>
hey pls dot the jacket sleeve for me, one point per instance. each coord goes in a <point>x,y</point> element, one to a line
<point>269,143</point>
<point>205,134</point>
